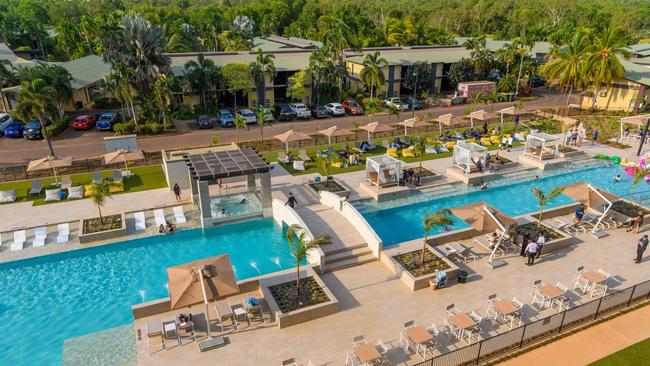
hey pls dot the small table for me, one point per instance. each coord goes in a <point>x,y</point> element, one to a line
<point>367,352</point>
<point>463,321</point>
<point>241,311</point>
<point>419,334</point>
<point>505,307</point>
<point>594,277</point>
<point>170,326</point>
<point>550,292</point>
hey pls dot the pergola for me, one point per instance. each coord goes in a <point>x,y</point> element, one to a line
<point>480,115</point>
<point>212,166</point>
<point>448,120</point>
<point>639,121</point>
<point>466,154</point>
<point>383,170</point>
<point>412,123</point>
<point>512,111</point>
<point>542,145</point>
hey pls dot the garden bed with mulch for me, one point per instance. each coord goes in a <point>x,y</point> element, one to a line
<point>532,230</point>
<point>566,149</point>
<point>628,209</point>
<point>411,262</point>
<point>616,145</point>
<point>96,225</point>
<point>289,299</point>
<point>330,185</point>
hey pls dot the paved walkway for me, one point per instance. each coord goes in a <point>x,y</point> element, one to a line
<point>601,341</point>
<point>323,220</point>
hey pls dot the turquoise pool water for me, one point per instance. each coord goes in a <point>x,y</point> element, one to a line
<point>404,222</point>
<point>46,300</point>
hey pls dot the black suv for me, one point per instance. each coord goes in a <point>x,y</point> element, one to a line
<point>536,81</point>
<point>284,113</point>
<point>319,111</point>
<point>204,121</point>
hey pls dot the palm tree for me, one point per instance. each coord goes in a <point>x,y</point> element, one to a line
<point>543,198</point>
<point>98,194</point>
<point>441,218</point>
<point>566,69</point>
<point>420,147</point>
<point>240,122</point>
<point>61,81</point>
<point>507,55</point>
<point>7,76</point>
<point>201,75</point>
<point>36,99</point>
<point>261,116</point>
<point>524,45</point>
<point>300,245</point>
<point>372,74</point>
<point>393,111</point>
<point>262,66</point>
<point>603,66</point>
<point>89,31</point>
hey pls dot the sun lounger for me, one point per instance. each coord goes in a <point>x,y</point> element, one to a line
<point>140,222</point>
<point>224,311</point>
<point>283,158</point>
<point>298,165</point>
<point>303,155</point>
<point>8,196</point>
<point>37,187</point>
<point>97,177</point>
<point>19,240</point>
<point>159,215</point>
<point>40,234</point>
<point>66,182</point>
<point>63,233</point>
<point>179,215</point>
<point>117,176</point>
<point>154,330</point>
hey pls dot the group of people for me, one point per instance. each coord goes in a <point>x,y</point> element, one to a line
<point>168,228</point>
<point>579,134</point>
<point>409,177</point>
<point>532,247</point>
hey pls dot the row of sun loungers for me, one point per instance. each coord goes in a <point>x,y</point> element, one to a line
<point>140,223</point>
<point>40,237</point>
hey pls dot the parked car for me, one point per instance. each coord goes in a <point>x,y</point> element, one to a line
<point>83,122</point>
<point>106,121</point>
<point>413,103</point>
<point>204,121</point>
<point>248,114</point>
<point>536,81</point>
<point>301,110</point>
<point>5,117</point>
<point>269,115</point>
<point>33,130</point>
<point>395,102</point>
<point>352,107</point>
<point>284,113</point>
<point>319,111</point>
<point>225,118</point>
<point>335,109</point>
<point>13,129</point>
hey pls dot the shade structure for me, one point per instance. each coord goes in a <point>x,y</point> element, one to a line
<point>375,127</point>
<point>542,145</point>
<point>589,195</point>
<point>412,123</point>
<point>638,121</point>
<point>202,280</point>
<point>123,156</point>
<point>335,132</point>
<point>512,111</point>
<point>291,136</point>
<point>49,162</point>
<point>480,115</point>
<point>448,120</point>
<point>483,218</point>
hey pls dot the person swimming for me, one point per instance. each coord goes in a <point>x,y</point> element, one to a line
<point>243,200</point>
<point>617,178</point>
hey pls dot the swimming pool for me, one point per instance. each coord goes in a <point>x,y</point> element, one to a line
<point>49,299</point>
<point>508,195</point>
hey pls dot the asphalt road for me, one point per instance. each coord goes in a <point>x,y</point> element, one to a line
<point>86,144</point>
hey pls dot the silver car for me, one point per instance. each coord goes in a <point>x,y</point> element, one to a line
<point>248,114</point>
<point>335,109</point>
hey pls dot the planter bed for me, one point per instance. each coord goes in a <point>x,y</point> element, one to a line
<point>624,210</point>
<point>554,239</point>
<point>426,176</point>
<point>113,226</point>
<point>329,185</point>
<point>288,299</point>
<point>411,262</point>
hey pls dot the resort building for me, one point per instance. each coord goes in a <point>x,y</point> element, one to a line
<point>631,93</point>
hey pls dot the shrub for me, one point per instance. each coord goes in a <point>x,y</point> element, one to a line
<point>59,126</point>
<point>183,113</point>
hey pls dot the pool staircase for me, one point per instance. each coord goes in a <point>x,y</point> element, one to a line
<point>115,346</point>
<point>348,257</point>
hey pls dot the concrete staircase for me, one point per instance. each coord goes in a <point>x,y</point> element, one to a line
<point>348,257</point>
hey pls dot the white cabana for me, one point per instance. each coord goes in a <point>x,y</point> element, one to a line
<point>383,170</point>
<point>466,154</point>
<point>542,145</point>
<point>638,121</point>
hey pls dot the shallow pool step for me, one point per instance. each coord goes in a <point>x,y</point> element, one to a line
<point>351,262</point>
<point>345,249</point>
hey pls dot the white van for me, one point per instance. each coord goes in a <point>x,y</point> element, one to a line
<point>301,110</point>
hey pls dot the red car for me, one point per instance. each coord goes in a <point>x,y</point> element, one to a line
<point>84,122</point>
<point>352,107</point>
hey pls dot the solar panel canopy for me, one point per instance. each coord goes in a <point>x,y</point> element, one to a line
<point>229,163</point>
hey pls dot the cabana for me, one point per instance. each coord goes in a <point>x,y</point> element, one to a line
<point>592,197</point>
<point>448,120</point>
<point>512,111</point>
<point>466,154</point>
<point>639,121</point>
<point>480,115</point>
<point>383,170</point>
<point>542,146</point>
<point>375,127</point>
<point>412,123</point>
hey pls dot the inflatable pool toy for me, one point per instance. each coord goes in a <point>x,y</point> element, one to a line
<point>613,158</point>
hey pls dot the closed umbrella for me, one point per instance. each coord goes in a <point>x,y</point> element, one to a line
<point>335,132</point>
<point>292,136</point>
<point>203,280</point>
<point>375,127</point>
<point>412,123</point>
<point>49,162</point>
<point>123,156</point>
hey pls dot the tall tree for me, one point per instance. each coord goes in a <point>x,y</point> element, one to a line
<point>263,118</point>
<point>37,100</point>
<point>263,66</point>
<point>372,74</point>
<point>237,78</point>
<point>201,75</point>
<point>7,77</point>
<point>524,46</point>
<point>566,70</point>
<point>300,245</point>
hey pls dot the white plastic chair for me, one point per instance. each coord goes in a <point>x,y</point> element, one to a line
<point>40,234</point>
<point>140,222</point>
<point>19,240</point>
<point>63,234</point>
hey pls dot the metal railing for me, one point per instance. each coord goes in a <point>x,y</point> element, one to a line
<point>550,326</point>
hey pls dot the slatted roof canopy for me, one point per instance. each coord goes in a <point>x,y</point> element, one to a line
<point>229,163</point>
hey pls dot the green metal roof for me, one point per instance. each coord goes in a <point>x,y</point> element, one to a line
<point>410,55</point>
<point>639,47</point>
<point>277,43</point>
<point>636,72</point>
<point>6,53</point>
<point>494,45</point>
<point>284,61</point>
<point>86,70</point>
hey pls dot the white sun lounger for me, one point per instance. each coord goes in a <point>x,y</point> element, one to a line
<point>40,234</point>
<point>159,215</point>
<point>180,215</point>
<point>64,233</point>
<point>140,222</point>
<point>19,240</point>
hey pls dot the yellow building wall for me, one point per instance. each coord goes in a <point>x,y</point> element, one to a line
<point>614,98</point>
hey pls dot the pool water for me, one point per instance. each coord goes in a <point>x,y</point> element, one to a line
<point>49,299</point>
<point>513,198</point>
<point>235,205</point>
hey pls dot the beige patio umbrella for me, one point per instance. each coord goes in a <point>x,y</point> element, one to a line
<point>448,120</point>
<point>412,123</point>
<point>512,111</point>
<point>203,280</point>
<point>335,132</point>
<point>485,219</point>
<point>123,156</point>
<point>49,162</point>
<point>375,127</point>
<point>292,136</point>
<point>480,115</point>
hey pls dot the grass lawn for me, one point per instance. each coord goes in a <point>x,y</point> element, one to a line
<point>147,177</point>
<point>637,354</point>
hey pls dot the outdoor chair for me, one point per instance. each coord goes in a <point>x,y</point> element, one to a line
<point>66,182</point>
<point>224,311</point>
<point>63,234</point>
<point>97,177</point>
<point>37,187</point>
<point>561,302</point>
<point>179,215</point>
<point>239,312</point>
<point>140,222</point>
<point>404,339</point>
<point>154,330</point>
<point>40,234</point>
<point>351,359</point>
<point>303,155</point>
<point>289,362</point>
<point>170,331</point>
<point>117,176</point>
<point>19,240</point>
<point>579,282</point>
<point>599,290</point>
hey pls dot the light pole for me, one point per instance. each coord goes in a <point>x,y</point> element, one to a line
<point>415,90</point>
